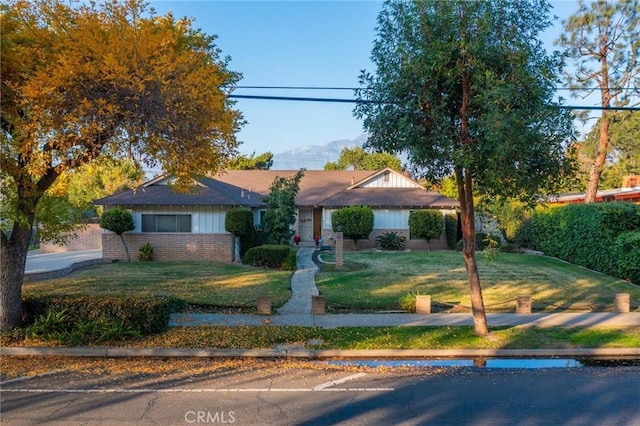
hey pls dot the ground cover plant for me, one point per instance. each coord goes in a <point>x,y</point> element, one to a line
<point>379,280</point>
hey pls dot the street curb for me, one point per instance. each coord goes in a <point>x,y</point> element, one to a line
<point>112,352</point>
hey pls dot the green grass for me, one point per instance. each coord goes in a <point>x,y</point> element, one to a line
<point>377,281</point>
<point>266,337</point>
<point>200,283</point>
<point>457,337</point>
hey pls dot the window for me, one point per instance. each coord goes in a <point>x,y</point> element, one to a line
<point>166,223</point>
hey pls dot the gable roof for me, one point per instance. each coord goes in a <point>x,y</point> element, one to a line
<point>326,188</point>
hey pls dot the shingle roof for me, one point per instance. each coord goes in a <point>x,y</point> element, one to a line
<point>327,188</point>
<point>386,197</point>
<point>213,193</point>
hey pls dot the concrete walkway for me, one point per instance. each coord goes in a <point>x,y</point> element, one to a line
<point>303,284</point>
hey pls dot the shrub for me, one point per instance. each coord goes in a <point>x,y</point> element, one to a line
<point>291,262</point>
<point>451,229</point>
<point>356,222</point>
<point>427,224</point>
<point>585,234</point>
<point>119,221</point>
<point>267,256</point>
<point>391,241</point>
<point>146,314</point>
<point>145,253</point>
<point>626,251</point>
<point>238,221</point>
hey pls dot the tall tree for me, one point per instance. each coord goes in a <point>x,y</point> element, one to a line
<point>623,157</point>
<point>603,39</point>
<point>467,88</point>
<point>359,159</point>
<point>82,80</point>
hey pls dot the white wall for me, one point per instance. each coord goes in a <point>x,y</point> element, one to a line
<point>204,219</point>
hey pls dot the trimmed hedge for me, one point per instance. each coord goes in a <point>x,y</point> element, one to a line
<point>587,235</point>
<point>451,230</point>
<point>626,250</point>
<point>149,315</point>
<point>274,256</point>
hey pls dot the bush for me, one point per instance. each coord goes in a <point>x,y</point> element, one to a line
<point>427,224</point>
<point>145,253</point>
<point>585,234</point>
<point>238,221</point>
<point>451,229</point>
<point>626,251</point>
<point>356,222</point>
<point>291,262</point>
<point>268,256</point>
<point>391,241</point>
<point>148,315</point>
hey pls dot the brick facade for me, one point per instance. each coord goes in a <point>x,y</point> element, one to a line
<point>171,246</point>
<point>416,244</point>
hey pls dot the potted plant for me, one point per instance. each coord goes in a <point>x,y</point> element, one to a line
<point>296,239</point>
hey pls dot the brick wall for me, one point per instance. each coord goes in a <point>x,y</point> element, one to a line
<point>88,238</point>
<point>171,246</point>
<point>417,244</point>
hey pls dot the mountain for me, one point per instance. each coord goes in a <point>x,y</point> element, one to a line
<point>314,157</point>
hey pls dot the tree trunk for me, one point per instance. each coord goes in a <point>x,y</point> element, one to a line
<point>603,145</point>
<point>601,155</point>
<point>465,196</point>
<point>126,249</point>
<point>236,249</point>
<point>467,215</point>
<point>14,259</point>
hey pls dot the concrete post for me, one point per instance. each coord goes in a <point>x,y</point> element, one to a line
<point>339,250</point>
<point>423,304</point>
<point>317,305</point>
<point>623,303</point>
<point>264,305</point>
<point>523,305</point>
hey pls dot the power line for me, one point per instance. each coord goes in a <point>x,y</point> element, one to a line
<point>368,88</point>
<point>357,101</point>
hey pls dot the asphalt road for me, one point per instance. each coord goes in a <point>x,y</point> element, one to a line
<point>270,394</point>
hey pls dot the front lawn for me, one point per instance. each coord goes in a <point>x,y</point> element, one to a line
<point>377,280</point>
<point>199,283</point>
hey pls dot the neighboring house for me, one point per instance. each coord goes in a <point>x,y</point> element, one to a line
<point>629,192</point>
<point>191,226</point>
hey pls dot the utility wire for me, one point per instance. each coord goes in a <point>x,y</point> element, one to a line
<point>356,101</point>
<point>368,88</point>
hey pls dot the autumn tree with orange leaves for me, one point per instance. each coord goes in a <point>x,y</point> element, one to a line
<point>85,80</point>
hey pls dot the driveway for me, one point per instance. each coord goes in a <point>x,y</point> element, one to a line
<point>45,262</point>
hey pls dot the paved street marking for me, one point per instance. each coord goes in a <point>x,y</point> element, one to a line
<point>323,386</point>
<point>205,390</point>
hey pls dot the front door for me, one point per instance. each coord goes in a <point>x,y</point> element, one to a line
<point>305,225</point>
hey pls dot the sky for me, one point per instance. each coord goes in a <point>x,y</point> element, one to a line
<point>299,43</point>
